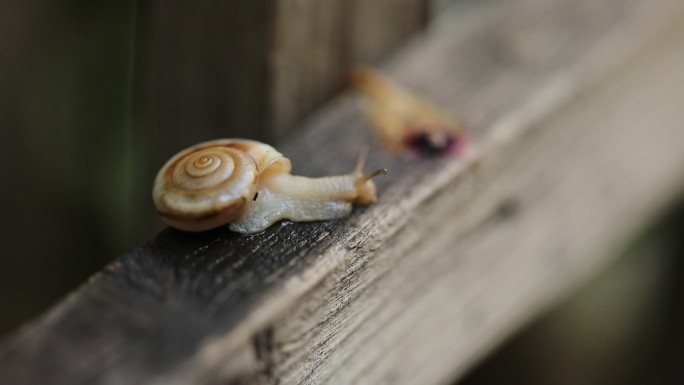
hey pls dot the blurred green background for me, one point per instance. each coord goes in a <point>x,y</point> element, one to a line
<point>74,185</point>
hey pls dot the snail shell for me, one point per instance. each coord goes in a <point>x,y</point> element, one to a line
<point>211,183</point>
<point>218,182</point>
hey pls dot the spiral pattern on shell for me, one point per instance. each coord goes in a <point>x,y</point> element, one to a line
<point>211,184</point>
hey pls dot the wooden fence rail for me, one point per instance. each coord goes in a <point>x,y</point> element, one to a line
<point>575,108</point>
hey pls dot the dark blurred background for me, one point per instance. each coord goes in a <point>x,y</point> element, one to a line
<point>73,174</point>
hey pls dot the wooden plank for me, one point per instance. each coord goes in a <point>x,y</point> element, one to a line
<point>449,262</point>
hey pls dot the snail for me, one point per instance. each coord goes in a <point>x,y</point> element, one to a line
<point>407,122</point>
<point>248,184</point>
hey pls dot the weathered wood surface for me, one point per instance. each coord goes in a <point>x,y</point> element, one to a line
<point>450,261</point>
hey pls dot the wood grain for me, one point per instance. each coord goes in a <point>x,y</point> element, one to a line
<point>579,148</point>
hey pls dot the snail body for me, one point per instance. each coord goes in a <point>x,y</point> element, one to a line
<point>248,184</point>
